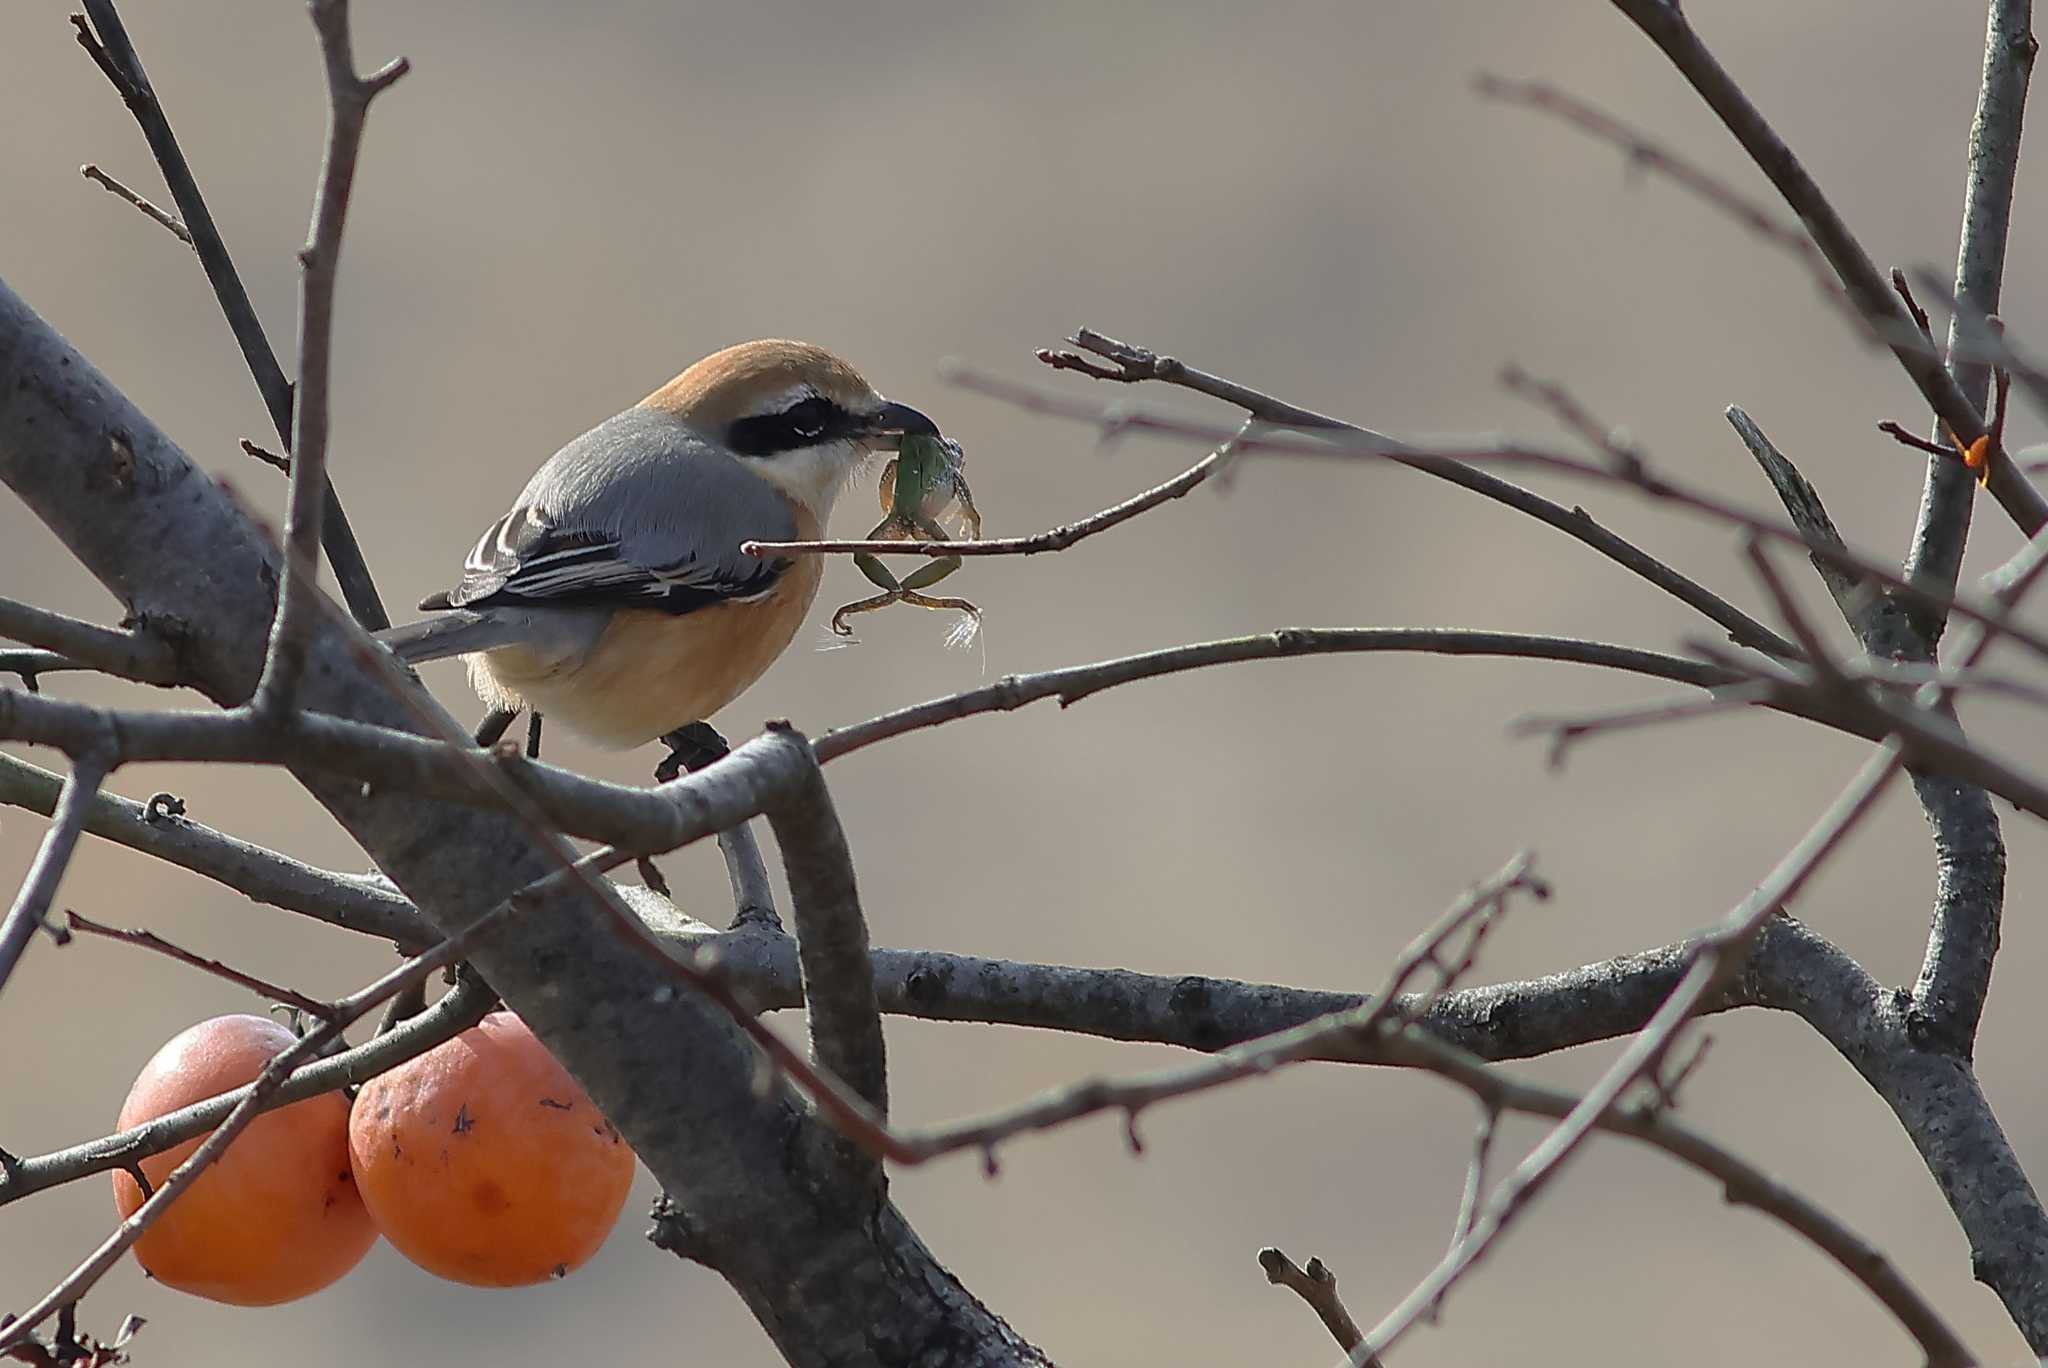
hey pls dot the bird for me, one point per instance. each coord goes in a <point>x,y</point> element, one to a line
<point>613,598</point>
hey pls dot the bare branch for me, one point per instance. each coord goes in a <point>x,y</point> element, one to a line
<point>349,97</point>
<point>170,221</point>
<point>1468,919</point>
<point>1742,1183</point>
<point>832,943</point>
<point>350,901</point>
<point>1938,1102</point>
<point>1636,475</point>
<point>53,856</point>
<point>106,41</point>
<point>1076,682</point>
<point>1718,959</point>
<point>1317,1286</point>
<point>1802,502</point>
<point>1644,152</point>
<point>1134,364</point>
<point>1666,26</point>
<point>1474,1189</point>
<point>1943,525</point>
<point>149,940</point>
<point>142,655</point>
<point>1054,539</point>
<point>1955,974</point>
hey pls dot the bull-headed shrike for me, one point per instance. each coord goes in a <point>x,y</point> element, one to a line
<point>613,597</point>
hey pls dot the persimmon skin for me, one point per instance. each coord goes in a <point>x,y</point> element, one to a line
<point>275,1218</point>
<point>484,1162</point>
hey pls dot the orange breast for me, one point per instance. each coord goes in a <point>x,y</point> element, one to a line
<point>651,672</point>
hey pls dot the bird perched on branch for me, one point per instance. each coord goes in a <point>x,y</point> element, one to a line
<point>613,597</point>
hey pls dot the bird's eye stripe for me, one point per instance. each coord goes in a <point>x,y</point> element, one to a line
<point>805,423</point>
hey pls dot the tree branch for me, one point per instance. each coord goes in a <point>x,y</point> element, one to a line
<point>1742,1183</point>
<point>106,41</point>
<point>1856,597</point>
<point>142,654</point>
<point>1634,474</point>
<point>1938,1102</point>
<point>1053,539</point>
<point>1076,682</point>
<point>1719,958</point>
<point>1317,1286</point>
<point>832,945</point>
<point>53,857</point>
<point>1665,24</point>
<point>1955,974</point>
<point>1943,525</point>
<point>349,97</point>
<point>149,940</point>
<point>352,902</point>
<point>169,221</point>
<point>1443,951</point>
<point>1133,364</point>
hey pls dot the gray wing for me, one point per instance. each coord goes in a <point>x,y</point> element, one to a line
<point>637,512</point>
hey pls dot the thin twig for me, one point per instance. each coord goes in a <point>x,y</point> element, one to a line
<point>1638,476</point>
<point>1317,1286</point>
<point>1942,528</point>
<point>105,40</point>
<point>349,97</point>
<point>1665,25</point>
<point>1054,539</point>
<point>1429,953</point>
<point>1074,683</point>
<point>30,665</point>
<point>1742,1183</point>
<point>1568,730</point>
<point>141,655</point>
<point>1803,504</point>
<point>1643,151</point>
<point>1473,1191</point>
<point>1715,961</point>
<point>1133,364</point>
<point>149,940</point>
<point>53,856</point>
<point>351,901</point>
<point>169,220</point>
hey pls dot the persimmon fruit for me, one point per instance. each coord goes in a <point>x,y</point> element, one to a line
<point>275,1218</point>
<point>483,1161</point>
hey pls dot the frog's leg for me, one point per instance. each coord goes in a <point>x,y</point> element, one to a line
<point>933,573</point>
<point>891,528</point>
<point>866,605</point>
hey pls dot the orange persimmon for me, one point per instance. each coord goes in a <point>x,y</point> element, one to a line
<point>275,1218</point>
<point>483,1161</point>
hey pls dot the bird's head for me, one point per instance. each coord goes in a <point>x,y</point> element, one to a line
<point>795,414</point>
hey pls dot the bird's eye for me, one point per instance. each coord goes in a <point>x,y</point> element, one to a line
<point>802,424</point>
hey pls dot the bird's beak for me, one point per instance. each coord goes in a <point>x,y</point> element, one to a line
<point>893,420</point>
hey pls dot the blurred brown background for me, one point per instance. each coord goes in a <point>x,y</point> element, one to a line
<point>563,205</point>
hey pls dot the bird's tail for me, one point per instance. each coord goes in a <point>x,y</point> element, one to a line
<point>451,634</point>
